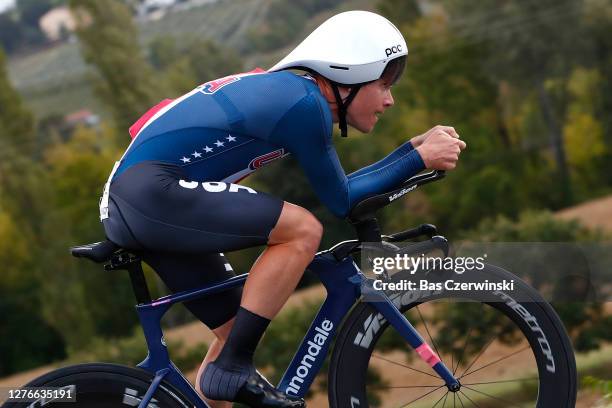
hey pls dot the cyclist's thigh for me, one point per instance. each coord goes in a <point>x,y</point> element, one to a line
<point>153,206</point>
<point>188,271</point>
<point>295,222</point>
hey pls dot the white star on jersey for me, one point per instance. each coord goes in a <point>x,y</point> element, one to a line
<point>231,138</point>
<point>185,159</point>
<point>196,154</point>
<point>207,149</point>
<point>219,143</point>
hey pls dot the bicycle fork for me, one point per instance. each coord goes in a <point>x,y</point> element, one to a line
<point>381,302</point>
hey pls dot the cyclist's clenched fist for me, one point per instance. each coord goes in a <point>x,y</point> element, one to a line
<point>418,140</point>
<point>439,147</point>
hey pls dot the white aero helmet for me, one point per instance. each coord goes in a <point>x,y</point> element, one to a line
<point>350,49</point>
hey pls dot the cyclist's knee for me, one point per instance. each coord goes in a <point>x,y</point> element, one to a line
<point>298,226</point>
<point>309,234</point>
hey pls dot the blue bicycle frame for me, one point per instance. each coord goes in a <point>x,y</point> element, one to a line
<point>344,283</point>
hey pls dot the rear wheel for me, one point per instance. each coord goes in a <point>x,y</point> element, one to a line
<point>505,353</point>
<point>104,385</point>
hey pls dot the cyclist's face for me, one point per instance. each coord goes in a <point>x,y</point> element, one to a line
<point>371,101</point>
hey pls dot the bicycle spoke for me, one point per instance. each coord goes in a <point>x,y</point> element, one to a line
<point>384,387</point>
<point>460,401</point>
<point>503,381</point>
<point>489,342</point>
<point>492,397</point>
<point>469,399</point>
<point>442,397</point>
<point>433,343</point>
<point>452,358</point>
<point>403,365</point>
<point>444,405</point>
<point>422,396</point>
<point>494,362</point>
<point>465,344</point>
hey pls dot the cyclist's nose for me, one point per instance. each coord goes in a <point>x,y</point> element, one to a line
<point>388,101</point>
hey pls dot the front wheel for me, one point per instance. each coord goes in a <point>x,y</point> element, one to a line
<point>506,353</point>
<point>104,386</point>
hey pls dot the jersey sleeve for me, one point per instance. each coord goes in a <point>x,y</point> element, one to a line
<point>305,131</point>
<point>403,150</point>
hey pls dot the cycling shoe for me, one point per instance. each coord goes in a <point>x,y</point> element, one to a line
<point>257,392</point>
<point>245,385</point>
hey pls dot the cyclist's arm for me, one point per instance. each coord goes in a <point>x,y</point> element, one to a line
<point>375,180</point>
<point>402,150</point>
<point>309,140</point>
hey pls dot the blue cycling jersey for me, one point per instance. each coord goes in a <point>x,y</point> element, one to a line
<point>225,129</point>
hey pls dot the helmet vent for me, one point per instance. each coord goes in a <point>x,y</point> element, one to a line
<point>337,67</point>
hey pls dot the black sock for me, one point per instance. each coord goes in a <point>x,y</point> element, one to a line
<point>243,339</point>
<point>224,377</point>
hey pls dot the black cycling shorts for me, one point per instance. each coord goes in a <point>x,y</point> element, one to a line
<point>179,226</point>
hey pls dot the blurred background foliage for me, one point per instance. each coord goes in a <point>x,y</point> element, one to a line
<point>527,84</point>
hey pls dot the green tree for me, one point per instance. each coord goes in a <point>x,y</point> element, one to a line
<point>22,189</point>
<point>109,42</point>
<point>400,11</point>
<point>20,303</point>
<point>191,63</point>
<point>23,195</point>
<point>78,170</point>
<point>526,48</point>
<point>16,122</point>
<point>284,22</point>
<point>11,33</point>
<point>584,132</point>
<point>20,184</point>
<point>210,61</point>
<point>598,23</point>
<point>163,51</point>
<point>30,11</point>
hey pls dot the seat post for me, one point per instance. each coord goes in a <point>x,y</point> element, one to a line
<point>139,283</point>
<point>368,230</point>
<point>132,263</point>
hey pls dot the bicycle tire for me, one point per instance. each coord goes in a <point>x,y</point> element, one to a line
<point>351,358</point>
<point>104,385</point>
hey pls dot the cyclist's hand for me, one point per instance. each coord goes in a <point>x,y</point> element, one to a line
<point>440,150</point>
<point>418,140</point>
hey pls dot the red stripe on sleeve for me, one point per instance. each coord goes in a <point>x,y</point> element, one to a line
<point>135,128</point>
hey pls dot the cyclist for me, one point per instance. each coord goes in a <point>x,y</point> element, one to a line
<point>173,199</point>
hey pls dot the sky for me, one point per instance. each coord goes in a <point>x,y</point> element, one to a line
<point>5,4</point>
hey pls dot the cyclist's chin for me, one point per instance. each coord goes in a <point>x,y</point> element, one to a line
<point>364,126</point>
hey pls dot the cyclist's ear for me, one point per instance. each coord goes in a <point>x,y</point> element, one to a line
<point>326,88</point>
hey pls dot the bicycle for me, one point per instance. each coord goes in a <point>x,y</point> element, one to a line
<point>367,316</point>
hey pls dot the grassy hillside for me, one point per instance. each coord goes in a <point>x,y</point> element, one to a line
<point>56,80</point>
<point>226,22</point>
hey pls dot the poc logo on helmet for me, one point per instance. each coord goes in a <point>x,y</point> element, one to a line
<point>393,50</point>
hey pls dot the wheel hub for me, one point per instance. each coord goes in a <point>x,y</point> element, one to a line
<point>455,387</point>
